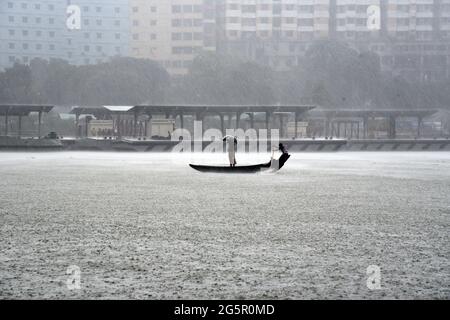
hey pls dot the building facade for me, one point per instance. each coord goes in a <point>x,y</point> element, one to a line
<point>79,31</point>
<point>411,36</point>
<point>172,32</point>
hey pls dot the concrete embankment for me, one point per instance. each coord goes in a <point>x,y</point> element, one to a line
<point>11,143</point>
<point>306,145</point>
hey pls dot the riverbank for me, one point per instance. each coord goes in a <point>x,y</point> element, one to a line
<point>299,145</point>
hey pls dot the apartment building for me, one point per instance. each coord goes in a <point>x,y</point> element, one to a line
<point>411,36</point>
<point>271,31</point>
<point>172,32</point>
<point>79,31</point>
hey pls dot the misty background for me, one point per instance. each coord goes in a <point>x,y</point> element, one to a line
<point>319,52</point>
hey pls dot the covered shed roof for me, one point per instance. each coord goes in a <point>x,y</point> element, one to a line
<point>23,109</point>
<point>399,112</point>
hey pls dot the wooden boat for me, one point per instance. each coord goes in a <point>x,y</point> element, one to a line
<point>242,169</point>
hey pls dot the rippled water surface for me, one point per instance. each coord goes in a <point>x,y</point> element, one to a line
<point>147,226</point>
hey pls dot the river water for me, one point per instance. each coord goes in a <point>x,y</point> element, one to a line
<point>147,226</point>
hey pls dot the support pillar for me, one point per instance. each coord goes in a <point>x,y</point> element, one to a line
<point>268,124</point>
<point>182,120</point>
<point>252,120</point>
<point>6,124</point>
<point>327,127</point>
<point>296,124</point>
<point>392,129</point>
<point>365,127</point>
<point>357,132</point>
<point>200,117</point>
<point>419,126</point>
<point>135,124</point>
<point>77,125</point>
<point>119,127</point>
<point>20,127</point>
<point>238,119</point>
<point>39,123</point>
<point>222,123</point>
<point>281,126</point>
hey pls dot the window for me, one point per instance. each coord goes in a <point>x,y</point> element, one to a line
<point>12,32</point>
<point>117,23</point>
<point>25,46</point>
<point>25,33</point>
<point>39,46</point>
<point>11,45</point>
<point>176,36</point>
<point>176,9</point>
<point>99,36</point>
<point>153,22</point>
<point>51,7</point>
<point>153,9</point>
<point>51,34</point>
<point>25,19</point>
<point>99,22</point>
<point>176,23</point>
<point>98,9</point>
<point>135,9</point>
<point>87,48</point>
<point>117,10</point>
<point>11,19</point>
<point>38,33</point>
<point>248,9</point>
<point>38,20</point>
<point>51,20</point>
<point>187,8</point>
<point>117,36</point>
<point>24,6</point>
<point>10,5</point>
<point>153,36</point>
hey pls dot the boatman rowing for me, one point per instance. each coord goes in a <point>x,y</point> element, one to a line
<point>232,146</point>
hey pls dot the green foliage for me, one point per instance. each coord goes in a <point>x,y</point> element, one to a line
<point>330,74</point>
<point>120,81</point>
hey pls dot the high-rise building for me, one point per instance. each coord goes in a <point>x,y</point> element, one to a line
<point>172,32</point>
<point>79,31</point>
<point>411,36</point>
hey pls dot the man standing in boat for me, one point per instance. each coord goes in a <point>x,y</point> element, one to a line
<point>232,146</point>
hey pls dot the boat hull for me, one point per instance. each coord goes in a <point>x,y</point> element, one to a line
<point>237,169</point>
<point>277,165</point>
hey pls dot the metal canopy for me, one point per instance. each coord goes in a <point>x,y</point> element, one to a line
<point>23,110</point>
<point>376,112</point>
<point>220,108</point>
<point>188,109</point>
